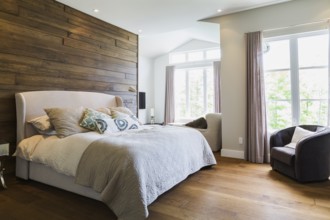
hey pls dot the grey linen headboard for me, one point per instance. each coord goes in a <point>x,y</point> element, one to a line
<point>32,104</point>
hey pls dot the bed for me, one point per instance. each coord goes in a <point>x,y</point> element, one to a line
<point>133,167</point>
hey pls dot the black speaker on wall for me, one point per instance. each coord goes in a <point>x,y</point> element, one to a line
<point>142,100</point>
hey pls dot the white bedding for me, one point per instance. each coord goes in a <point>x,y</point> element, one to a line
<point>61,154</point>
<point>132,170</point>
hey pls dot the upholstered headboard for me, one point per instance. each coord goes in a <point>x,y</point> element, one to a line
<point>32,104</point>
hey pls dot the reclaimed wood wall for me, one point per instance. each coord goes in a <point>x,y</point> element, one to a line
<point>45,45</point>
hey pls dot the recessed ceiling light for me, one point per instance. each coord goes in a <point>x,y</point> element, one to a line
<point>219,10</point>
<point>140,31</point>
<point>96,10</point>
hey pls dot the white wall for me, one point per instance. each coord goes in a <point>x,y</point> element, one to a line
<point>145,84</point>
<point>233,63</point>
<point>160,64</point>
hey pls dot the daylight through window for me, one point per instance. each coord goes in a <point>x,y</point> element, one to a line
<point>297,79</point>
<point>194,83</point>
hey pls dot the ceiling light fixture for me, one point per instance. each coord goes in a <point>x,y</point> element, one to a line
<point>96,10</point>
<point>140,31</point>
<point>219,10</point>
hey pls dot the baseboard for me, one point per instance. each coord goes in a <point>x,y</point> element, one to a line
<point>232,153</point>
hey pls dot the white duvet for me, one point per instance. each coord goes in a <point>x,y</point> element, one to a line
<point>61,154</point>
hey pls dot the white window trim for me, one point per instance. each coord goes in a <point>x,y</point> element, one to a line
<point>294,66</point>
<point>205,97</point>
<point>188,65</point>
<point>204,50</point>
<point>294,69</point>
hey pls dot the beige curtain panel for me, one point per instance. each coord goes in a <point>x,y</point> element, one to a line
<point>329,73</point>
<point>169,96</point>
<point>217,89</point>
<point>257,142</point>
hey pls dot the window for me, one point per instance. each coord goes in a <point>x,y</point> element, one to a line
<point>194,92</point>
<point>296,80</point>
<point>194,83</point>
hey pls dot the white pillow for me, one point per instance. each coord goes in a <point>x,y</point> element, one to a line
<point>115,125</point>
<point>299,133</point>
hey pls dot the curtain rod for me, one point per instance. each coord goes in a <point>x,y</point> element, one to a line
<point>327,20</point>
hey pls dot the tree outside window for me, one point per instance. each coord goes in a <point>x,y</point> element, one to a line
<point>194,82</point>
<point>296,80</point>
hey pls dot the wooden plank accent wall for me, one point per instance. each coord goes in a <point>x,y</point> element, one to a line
<point>45,45</point>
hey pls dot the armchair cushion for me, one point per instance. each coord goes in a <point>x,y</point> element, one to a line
<point>284,154</point>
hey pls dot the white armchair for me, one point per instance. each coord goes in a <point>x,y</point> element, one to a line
<point>213,131</point>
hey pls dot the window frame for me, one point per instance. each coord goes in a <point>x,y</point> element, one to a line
<point>203,64</point>
<point>186,53</point>
<point>294,70</point>
<point>186,70</point>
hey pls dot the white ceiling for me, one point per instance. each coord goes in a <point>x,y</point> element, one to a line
<point>165,24</point>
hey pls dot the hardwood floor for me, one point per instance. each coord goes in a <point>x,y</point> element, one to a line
<point>234,189</point>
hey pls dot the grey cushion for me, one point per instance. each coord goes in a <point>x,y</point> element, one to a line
<point>198,123</point>
<point>284,154</point>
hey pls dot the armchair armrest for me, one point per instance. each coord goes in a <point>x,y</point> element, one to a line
<point>282,137</point>
<point>202,130</point>
<point>313,157</point>
<point>213,131</point>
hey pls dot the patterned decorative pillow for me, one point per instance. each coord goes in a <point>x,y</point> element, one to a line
<point>66,120</point>
<point>116,125</point>
<point>127,123</point>
<point>90,115</point>
<point>42,125</point>
<point>118,114</point>
<point>101,125</point>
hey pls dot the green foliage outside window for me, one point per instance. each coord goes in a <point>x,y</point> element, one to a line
<point>278,98</point>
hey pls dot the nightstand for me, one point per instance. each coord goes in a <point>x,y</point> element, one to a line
<point>4,151</point>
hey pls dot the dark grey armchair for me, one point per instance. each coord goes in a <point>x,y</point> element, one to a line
<point>309,161</point>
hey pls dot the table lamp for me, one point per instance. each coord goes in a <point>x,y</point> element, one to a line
<point>152,116</point>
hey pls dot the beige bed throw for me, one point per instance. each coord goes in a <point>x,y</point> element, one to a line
<point>132,170</point>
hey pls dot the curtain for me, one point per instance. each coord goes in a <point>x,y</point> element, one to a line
<point>217,91</point>
<point>169,95</point>
<point>329,73</point>
<point>257,143</point>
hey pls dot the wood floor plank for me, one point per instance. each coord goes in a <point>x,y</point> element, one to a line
<point>233,189</point>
